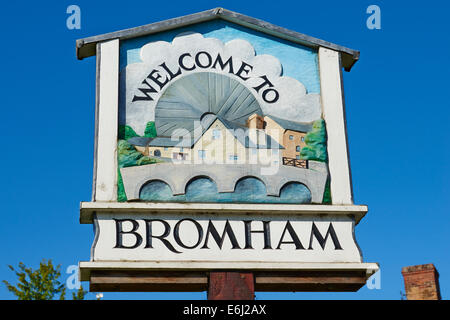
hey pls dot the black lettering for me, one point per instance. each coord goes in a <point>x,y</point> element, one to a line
<point>249,231</point>
<point>219,240</point>
<point>295,239</point>
<point>176,233</point>
<point>171,74</point>
<point>266,82</point>
<point>198,61</point>
<point>155,76</point>
<point>120,233</point>
<point>322,241</point>
<point>244,69</point>
<point>181,63</point>
<point>275,97</point>
<point>148,227</point>
<point>145,91</point>
<point>262,85</point>
<point>219,61</point>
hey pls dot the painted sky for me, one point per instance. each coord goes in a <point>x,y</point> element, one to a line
<point>397,111</point>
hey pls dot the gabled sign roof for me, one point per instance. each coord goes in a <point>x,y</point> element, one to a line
<point>87,47</point>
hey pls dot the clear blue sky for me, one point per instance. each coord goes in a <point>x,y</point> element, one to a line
<point>397,103</point>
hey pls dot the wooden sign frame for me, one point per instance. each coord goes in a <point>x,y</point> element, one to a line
<point>200,276</point>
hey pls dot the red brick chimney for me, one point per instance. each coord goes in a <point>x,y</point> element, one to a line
<point>421,282</point>
<point>255,121</point>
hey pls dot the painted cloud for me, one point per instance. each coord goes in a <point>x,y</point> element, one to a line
<point>293,103</point>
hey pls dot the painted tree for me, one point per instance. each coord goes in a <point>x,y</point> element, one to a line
<point>150,130</point>
<point>316,149</point>
<point>40,284</point>
<point>126,132</point>
<point>316,143</point>
<point>128,156</point>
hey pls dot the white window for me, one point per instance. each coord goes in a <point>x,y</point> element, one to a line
<point>166,148</point>
<point>275,151</point>
<point>201,154</point>
<point>181,149</point>
<point>291,137</point>
<point>303,139</point>
<point>233,157</point>
<point>216,134</point>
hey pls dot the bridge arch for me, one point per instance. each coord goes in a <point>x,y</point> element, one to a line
<point>155,190</point>
<point>295,191</point>
<point>178,176</point>
<point>260,178</point>
<point>201,189</point>
<point>189,177</point>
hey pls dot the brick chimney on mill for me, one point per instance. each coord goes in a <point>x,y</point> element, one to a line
<point>421,282</point>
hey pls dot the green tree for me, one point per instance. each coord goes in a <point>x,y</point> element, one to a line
<point>128,156</point>
<point>40,284</point>
<point>316,143</point>
<point>80,294</point>
<point>126,132</point>
<point>327,193</point>
<point>150,130</point>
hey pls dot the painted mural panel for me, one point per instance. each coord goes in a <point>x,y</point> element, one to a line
<point>218,113</point>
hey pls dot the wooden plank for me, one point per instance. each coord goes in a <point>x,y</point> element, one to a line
<point>87,209</point>
<point>226,285</point>
<point>132,281</point>
<point>332,94</point>
<point>309,281</point>
<point>107,124</point>
<point>231,286</point>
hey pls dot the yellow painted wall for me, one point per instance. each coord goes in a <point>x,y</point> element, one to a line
<point>274,130</point>
<point>221,149</point>
<point>290,145</point>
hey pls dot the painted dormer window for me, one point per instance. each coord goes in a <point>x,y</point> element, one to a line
<point>216,134</point>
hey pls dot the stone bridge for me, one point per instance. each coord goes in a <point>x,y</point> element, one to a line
<point>225,176</point>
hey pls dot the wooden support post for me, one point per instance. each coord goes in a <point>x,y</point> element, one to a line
<point>231,286</point>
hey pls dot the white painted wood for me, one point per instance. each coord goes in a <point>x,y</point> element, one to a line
<point>186,238</point>
<point>330,71</point>
<point>87,266</point>
<point>108,99</point>
<point>87,209</point>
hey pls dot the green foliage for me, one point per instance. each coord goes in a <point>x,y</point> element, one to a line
<point>128,156</point>
<point>126,132</point>
<point>316,143</point>
<point>150,130</point>
<point>121,195</point>
<point>40,284</point>
<point>327,193</point>
<point>80,294</point>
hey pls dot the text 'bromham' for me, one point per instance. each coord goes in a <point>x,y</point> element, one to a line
<point>188,234</point>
